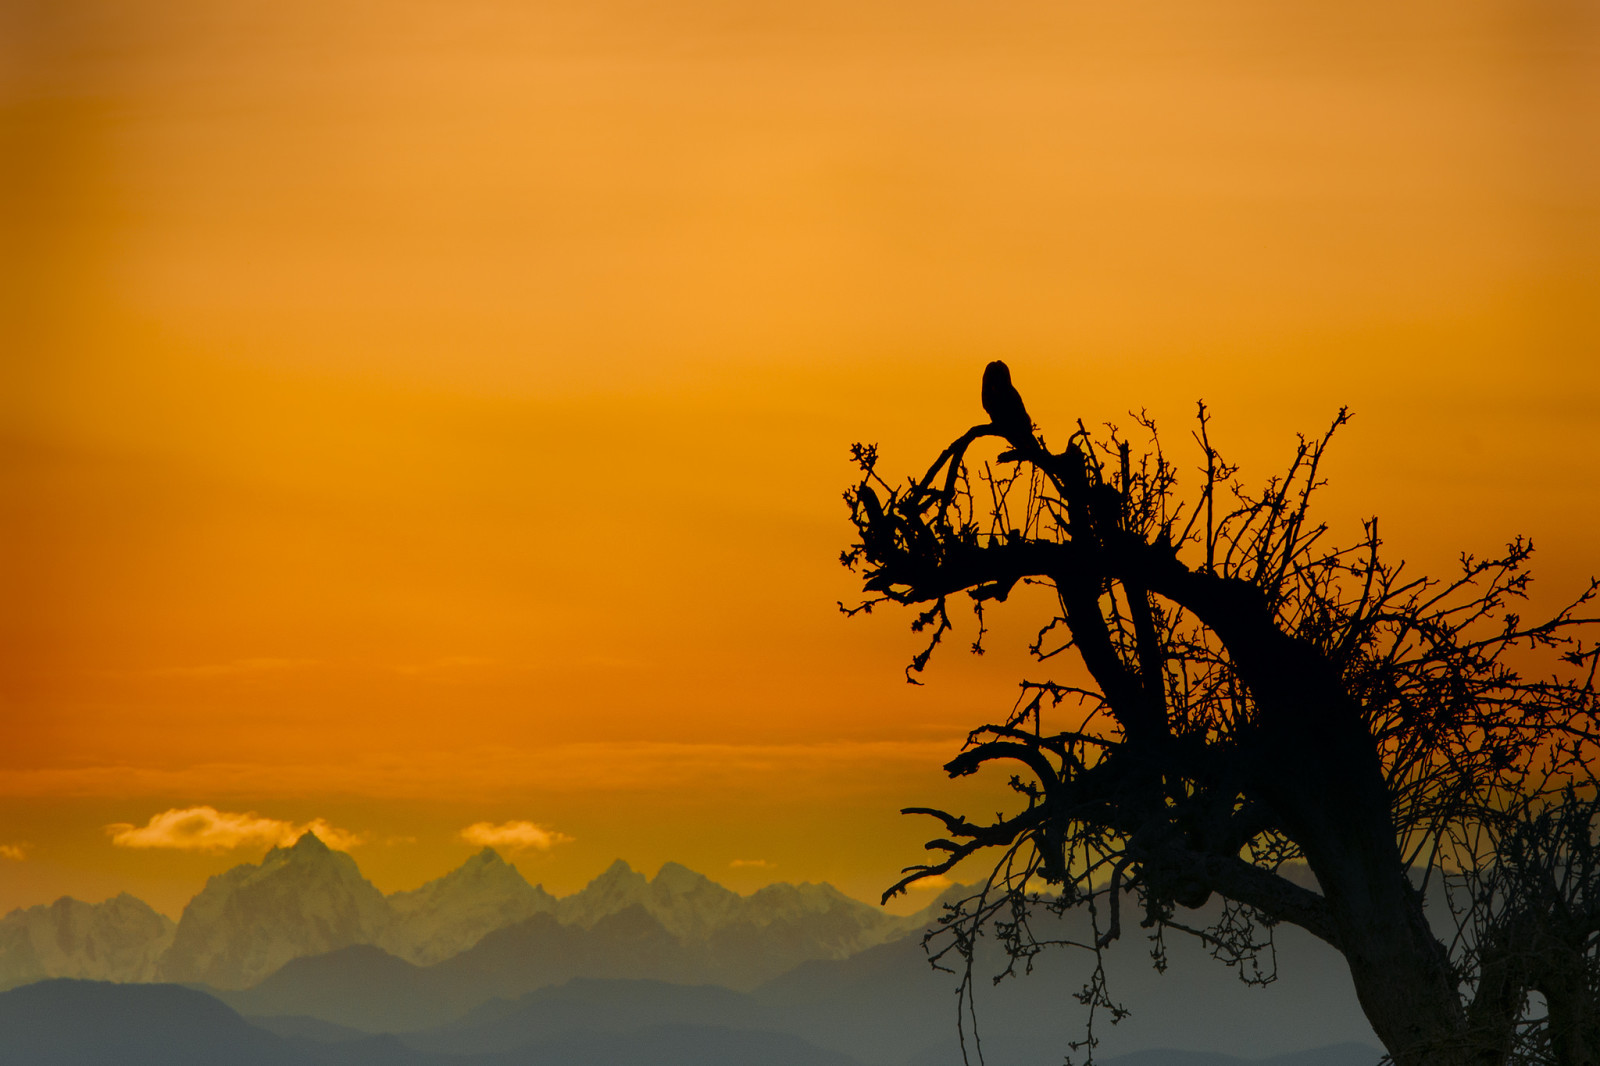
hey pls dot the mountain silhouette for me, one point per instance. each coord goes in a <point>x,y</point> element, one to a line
<point>66,1022</point>
<point>675,1045</point>
<point>539,952</point>
<point>887,1007</point>
<point>884,1003</point>
<point>835,1013</point>
<point>594,1006</point>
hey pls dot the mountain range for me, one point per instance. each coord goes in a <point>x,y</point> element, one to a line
<point>308,900</point>
<point>300,961</point>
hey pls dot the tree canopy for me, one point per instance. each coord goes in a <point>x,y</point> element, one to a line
<point>1240,694</point>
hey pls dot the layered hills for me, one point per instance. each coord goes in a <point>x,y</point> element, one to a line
<point>884,1007</point>
<point>94,1023</point>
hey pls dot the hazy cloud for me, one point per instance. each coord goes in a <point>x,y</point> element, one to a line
<point>208,829</point>
<point>828,770</point>
<point>760,864</point>
<point>448,666</point>
<point>235,668</point>
<point>513,835</point>
<point>14,852</point>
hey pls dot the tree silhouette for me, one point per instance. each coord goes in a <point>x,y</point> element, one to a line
<point>1252,697</point>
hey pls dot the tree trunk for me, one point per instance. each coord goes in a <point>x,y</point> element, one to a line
<point>1324,775</point>
<point>1573,1008</point>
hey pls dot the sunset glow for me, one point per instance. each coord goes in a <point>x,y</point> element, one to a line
<point>426,422</point>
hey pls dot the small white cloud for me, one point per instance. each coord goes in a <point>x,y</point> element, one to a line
<point>513,835</point>
<point>208,829</point>
<point>929,884</point>
<point>759,864</point>
<point>336,838</point>
<point>14,852</point>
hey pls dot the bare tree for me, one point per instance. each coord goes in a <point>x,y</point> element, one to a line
<point>1257,697</point>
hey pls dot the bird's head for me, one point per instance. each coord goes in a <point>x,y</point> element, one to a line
<point>996,374</point>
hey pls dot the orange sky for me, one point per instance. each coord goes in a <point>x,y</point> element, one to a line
<point>419,414</point>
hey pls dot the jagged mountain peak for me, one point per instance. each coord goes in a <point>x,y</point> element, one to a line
<point>250,920</point>
<point>618,887</point>
<point>483,867</point>
<point>451,913</point>
<point>481,870</point>
<point>309,841</point>
<point>678,879</point>
<point>308,852</point>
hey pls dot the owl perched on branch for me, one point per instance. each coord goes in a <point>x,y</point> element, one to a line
<point>1004,405</point>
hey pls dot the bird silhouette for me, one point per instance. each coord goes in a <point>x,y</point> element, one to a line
<point>1004,405</point>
